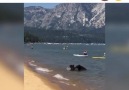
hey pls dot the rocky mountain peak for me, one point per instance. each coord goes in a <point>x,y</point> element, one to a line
<point>66,16</point>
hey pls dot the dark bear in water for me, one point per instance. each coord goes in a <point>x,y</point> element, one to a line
<point>77,68</point>
<point>72,67</point>
<point>80,68</point>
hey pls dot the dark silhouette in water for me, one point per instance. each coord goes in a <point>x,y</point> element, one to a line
<point>80,68</point>
<point>85,52</point>
<point>72,68</point>
<point>77,68</point>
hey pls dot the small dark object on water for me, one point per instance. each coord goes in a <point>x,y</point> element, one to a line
<point>77,68</point>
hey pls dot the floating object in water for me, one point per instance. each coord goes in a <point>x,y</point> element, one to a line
<point>65,47</point>
<point>76,68</point>
<point>98,57</point>
<point>104,54</point>
<point>85,53</point>
<point>80,55</point>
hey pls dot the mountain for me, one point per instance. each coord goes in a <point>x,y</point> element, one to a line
<point>68,16</point>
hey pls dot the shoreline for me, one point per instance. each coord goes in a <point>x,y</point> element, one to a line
<point>32,81</point>
<point>54,83</point>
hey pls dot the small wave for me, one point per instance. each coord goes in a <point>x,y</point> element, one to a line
<point>67,83</point>
<point>31,64</point>
<point>58,76</point>
<point>64,83</point>
<point>43,69</point>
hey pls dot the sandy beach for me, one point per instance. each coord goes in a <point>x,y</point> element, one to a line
<point>9,80</point>
<point>33,82</point>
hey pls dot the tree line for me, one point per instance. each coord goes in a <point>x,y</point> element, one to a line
<point>64,36</point>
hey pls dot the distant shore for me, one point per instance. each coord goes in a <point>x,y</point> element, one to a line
<point>33,82</point>
<point>66,43</point>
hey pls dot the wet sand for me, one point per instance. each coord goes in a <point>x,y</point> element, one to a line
<point>32,81</point>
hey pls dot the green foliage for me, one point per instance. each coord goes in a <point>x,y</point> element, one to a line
<point>31,38</point>
<point>68,36</point>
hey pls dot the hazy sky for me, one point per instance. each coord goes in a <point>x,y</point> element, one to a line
<point>45,5</point>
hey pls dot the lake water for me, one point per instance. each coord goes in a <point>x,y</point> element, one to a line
<point>51,60</point>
